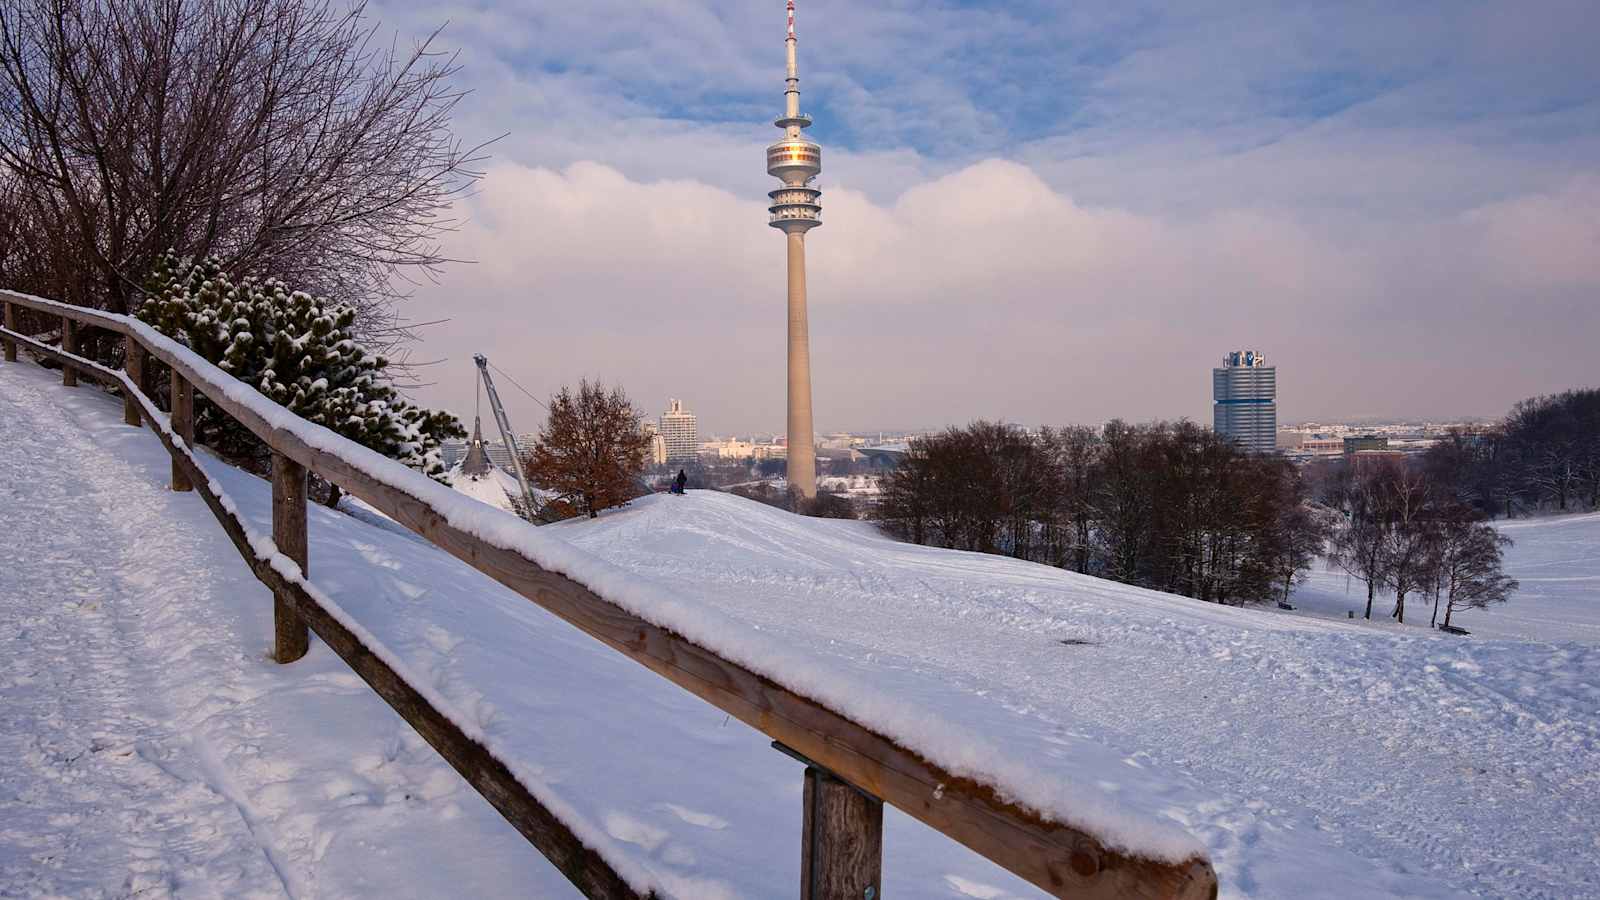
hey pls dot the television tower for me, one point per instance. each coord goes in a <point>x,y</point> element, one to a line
<point>796,210</point>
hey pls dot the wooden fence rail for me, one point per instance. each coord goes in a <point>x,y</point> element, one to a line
<point>851,769</point>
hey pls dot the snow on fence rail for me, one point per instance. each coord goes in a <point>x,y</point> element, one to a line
<point>1033,826</point>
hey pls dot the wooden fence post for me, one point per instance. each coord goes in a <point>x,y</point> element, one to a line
<point>841,840</point>
<point>293,639</point>
<point>11,325</point>
<point>182,425</point>
<point>69,344</point>
<point>133,362</point>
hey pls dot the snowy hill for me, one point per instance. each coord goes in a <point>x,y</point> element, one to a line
<point>1288,744</point>
<point>146,732</point>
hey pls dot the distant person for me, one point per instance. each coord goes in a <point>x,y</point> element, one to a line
<point>680,481</point>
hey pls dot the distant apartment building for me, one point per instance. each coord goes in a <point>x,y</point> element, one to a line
<point>1310,443</point>
<point>681,432</point>
<point>657,452</point>
<point>733,449</point>
<point>1245,391</point>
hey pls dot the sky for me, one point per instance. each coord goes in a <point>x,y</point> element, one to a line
<point>1037,212</point>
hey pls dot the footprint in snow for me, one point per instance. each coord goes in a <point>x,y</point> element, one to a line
<point>629,830</point>
<point>696,818</point>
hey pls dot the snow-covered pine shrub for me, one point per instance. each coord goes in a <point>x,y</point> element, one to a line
<point>297,350</point>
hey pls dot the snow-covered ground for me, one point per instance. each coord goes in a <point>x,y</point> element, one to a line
<point>495,488</point>
<point>1293,747</point>
<point>148,744</point>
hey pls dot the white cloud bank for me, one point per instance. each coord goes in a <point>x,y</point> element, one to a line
<point>989,293</point>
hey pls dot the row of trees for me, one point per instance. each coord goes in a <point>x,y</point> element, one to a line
<point>1169,506</point>
<point>1545,455</point>
<point>1406,527</point>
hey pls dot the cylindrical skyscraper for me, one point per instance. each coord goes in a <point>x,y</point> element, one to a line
<point>1245,389</point>
<point>795,210</point>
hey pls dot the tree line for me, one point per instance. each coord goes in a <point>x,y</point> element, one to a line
<point>1169,505</point>
<point>1174,507</point>
<point>1544,456</point>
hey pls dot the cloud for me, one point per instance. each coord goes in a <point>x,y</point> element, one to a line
<point>987,292</point>
<point>1547,240</point>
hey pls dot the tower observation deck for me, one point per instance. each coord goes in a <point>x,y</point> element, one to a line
<point>795,161</point>
<point>796,209</point>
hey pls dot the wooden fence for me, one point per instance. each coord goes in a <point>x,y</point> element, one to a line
<point>851,770</point>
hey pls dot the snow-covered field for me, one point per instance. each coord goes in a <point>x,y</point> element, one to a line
<point>149,747</point>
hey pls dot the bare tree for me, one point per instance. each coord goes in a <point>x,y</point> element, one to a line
<point>278,136</point>
<point>1299,536</point>
<point>1076,452</point>
<point>1358,547</point>
<point>903,510</point>
<point>591,449</point>
<point>1407,505</point>
<point>1470,560</point>
<point>1125,499</point>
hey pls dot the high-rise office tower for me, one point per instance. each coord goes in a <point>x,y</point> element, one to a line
<point>680,430</point>
<point>1245,389</point>
<point>796,209</point>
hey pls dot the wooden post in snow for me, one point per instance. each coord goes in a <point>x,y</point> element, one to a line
<point>69,344</point>
<point>289,533</point>
<point>841,840</point>
<point>182,425</point>
<point>11,325</point>
<point>133,362</point>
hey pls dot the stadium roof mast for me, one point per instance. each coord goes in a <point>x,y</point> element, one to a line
<point>506,435</point>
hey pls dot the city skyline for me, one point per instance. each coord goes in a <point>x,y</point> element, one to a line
<point>1203,413</point>
<point>1099,187</point>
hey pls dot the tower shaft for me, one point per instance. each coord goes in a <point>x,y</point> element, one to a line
<point>802,462</point>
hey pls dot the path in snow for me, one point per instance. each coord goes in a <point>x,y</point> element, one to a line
<point>148,745</point>
<point>104,789</point>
